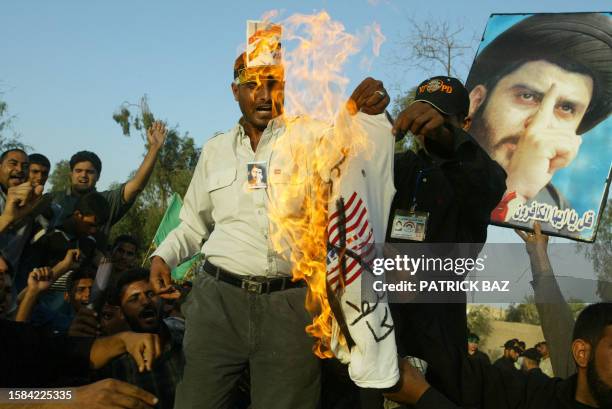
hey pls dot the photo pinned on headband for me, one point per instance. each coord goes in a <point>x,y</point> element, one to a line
<point>257,175</point>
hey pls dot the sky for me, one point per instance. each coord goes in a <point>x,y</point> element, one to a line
<point>66,66</point>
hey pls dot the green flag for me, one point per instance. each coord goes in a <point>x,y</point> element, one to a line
<point>170,220</point>
<point>168,223</point>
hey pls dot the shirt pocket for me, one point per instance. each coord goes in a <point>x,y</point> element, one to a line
<point>221,186</point>
<point>288,188</point>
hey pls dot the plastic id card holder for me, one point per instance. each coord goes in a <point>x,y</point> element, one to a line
<point>409,225</point>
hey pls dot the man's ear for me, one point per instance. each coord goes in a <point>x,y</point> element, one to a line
<point>235,91</point>
<point>581,350</point>
<point>477,98</point>
<point>467,123</point>
<point>66,296</point>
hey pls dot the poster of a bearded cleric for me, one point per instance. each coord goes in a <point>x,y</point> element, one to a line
<point>540,98</point>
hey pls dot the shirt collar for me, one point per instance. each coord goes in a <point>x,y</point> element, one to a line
<point>274,126</point>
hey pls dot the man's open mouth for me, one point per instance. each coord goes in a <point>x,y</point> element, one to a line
<point>148,314</point>
<point>264,108</point>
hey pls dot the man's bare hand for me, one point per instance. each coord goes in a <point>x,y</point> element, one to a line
<point>423,121</point>
<point>144,348</point>
<point>85,324</point>
<point>536,241</point>
<point>540,151</point>
<point>39,280</point>
<point>413,383</point>
<point>161,280</point>
<point>369,97</point>
<point>111,393</point>
<point>70,262</point>
<point>156,134</point>
<point>19,201</point>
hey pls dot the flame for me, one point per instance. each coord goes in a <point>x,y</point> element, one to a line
<point>315,143</point>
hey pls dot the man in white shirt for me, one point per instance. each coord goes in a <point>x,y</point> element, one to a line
<point>244,309</point>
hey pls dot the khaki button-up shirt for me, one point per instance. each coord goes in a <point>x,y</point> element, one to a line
<point>221,216</point>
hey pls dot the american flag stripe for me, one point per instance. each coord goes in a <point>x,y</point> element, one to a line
<point>352,227</point>
<point>335,227</point>
<point>346,206</point>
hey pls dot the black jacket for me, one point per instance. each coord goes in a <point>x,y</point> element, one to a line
<point>459,192</point>
<point>502,389</point>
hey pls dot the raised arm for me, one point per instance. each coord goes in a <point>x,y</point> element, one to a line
<point>156,135</point>
<point>556,317</point>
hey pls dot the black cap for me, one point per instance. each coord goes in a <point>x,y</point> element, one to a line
<point>572,40</point>
<point>446,94</point>
<point>513,344</point>
<point>532,354</point>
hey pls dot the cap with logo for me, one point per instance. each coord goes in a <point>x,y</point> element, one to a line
<point>446,94</point>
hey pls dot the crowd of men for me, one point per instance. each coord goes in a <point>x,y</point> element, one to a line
<point>77,310</point>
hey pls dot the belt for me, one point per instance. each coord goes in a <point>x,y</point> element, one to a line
<point>252,284</point>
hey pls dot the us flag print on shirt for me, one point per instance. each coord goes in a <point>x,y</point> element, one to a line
<point>349,231</point>
<point>360,201</point>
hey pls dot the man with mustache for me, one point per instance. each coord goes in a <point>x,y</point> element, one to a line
<point>141,310</point>
<point>244,309</point>
<point>534,91</point>
<point>13,172</point>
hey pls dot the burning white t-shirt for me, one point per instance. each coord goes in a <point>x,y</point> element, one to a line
<point>362,191</point>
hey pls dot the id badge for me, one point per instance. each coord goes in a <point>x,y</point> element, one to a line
<point>409,225</point>
<point>257,175</point>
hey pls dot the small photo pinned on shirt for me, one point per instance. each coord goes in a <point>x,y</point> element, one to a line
<point>257,175</point>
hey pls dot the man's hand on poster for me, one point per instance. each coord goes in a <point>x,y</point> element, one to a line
<point>161,281</point>
<point>536,242</point>
<point>541,150</point>
<point>537,248</point>
<point>423,121</point>
<point>369,97</point>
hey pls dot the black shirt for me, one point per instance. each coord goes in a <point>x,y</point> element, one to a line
<point>459,192</point>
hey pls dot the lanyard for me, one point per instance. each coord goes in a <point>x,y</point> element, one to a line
<point>417,184</point>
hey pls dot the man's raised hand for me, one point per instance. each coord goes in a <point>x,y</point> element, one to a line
<point>369,97</point>
<point>156,134</point>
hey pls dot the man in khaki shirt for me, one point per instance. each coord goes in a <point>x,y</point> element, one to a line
<point>244,309</point>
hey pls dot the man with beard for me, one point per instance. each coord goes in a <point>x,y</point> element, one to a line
<point>13,172</point>
<point>534,91</point>
<point>512,352</point>
<point>590,387</point>
<point>85,169</point>
<point>141,309</point>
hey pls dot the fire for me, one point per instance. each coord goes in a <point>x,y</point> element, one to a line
<point>316,143</point>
